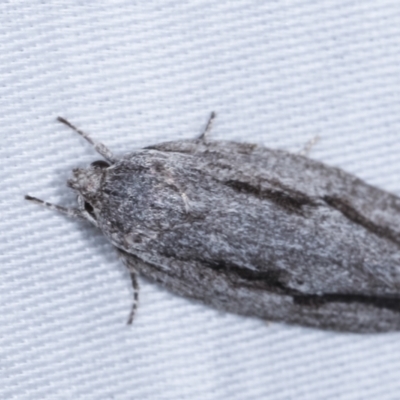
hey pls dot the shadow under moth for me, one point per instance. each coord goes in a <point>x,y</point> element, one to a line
<point>249,230</point>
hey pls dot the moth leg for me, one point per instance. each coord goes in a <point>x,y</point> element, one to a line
<point>98,146</point>
<point>70,212</point>
<point>308,146</point>
<point>135,286</point>
<point>206,131</point>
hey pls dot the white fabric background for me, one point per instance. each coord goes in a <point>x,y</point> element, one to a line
<point>133,74</point>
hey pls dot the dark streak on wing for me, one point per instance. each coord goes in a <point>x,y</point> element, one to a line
<point>390,303</point>
<point>273,281</point>
<point>353,215</point>
<point>291,200</point>
<point>270,280</point>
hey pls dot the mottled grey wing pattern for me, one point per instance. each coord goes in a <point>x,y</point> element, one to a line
<point>300,173</point>
<point>361,216</point>
<point>346,315</point>
<point>259,232</point>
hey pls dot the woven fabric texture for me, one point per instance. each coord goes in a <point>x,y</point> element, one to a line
<point>278,73</point>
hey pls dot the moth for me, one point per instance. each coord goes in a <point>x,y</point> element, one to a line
<point>249,230</point>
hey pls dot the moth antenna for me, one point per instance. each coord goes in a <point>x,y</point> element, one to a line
<point>209,125</point>
<point>103,150</point>
<point>70,212</point>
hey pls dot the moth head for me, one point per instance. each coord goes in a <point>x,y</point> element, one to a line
<point>87,181</point>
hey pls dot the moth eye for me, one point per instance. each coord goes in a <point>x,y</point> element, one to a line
<point>100,164</point>
<point>88,208</point>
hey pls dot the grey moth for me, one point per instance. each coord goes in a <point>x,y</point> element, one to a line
<point>249,230</point>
